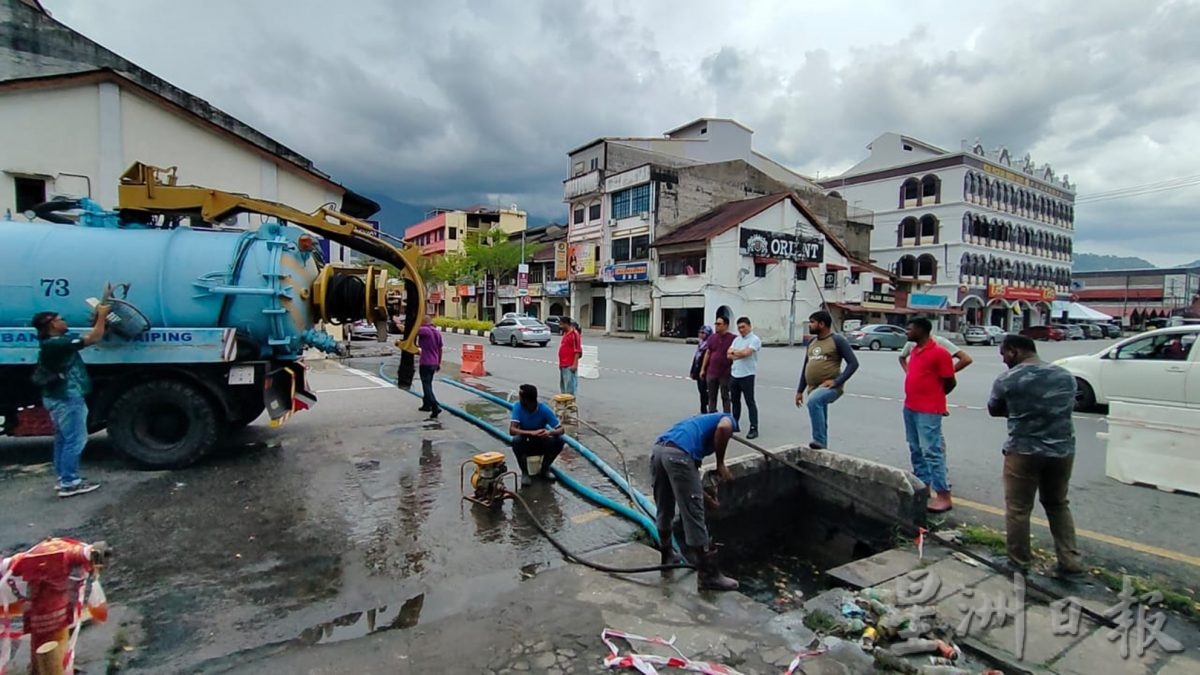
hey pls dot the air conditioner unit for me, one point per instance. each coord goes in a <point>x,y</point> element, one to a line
<point>612,222</point>
<point>644,215</point>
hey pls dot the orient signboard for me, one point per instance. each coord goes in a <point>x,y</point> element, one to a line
<point>780,246</point>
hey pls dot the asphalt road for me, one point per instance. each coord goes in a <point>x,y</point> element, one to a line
<point>643,389</point>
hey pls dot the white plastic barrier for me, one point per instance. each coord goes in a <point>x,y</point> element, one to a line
<point>589,362</point>
<point>1153,444</point>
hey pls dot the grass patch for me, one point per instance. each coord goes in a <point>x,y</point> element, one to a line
<point>1184,602</point>
<point>978,535</point>
<point>819,621</point>
<point>466,324</point>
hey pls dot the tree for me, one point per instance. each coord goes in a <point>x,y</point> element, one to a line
<point>494,254</point>
<point>453,269</point>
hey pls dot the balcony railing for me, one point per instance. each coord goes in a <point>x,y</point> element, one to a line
<point>581,185</point>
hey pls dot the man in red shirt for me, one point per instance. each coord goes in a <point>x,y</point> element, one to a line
<point>569,350</point>
<point>930,376</point>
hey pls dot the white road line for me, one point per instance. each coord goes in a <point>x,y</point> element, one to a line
<point>379,384</point>
<point>332,391</point>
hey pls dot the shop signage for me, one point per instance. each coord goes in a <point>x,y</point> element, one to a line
<point>583,260</point>
<point>1022,180</point>
<point>628,179</point>
<point>466,291</point>
<point>560,260</point>
<point>830,280</point>
<point>557,289</point>
<point>435,298</point>
<point>536,289</point>
<point>1021,293</point>
<point>927,301</point>
<point>879,300</point>
<point>780,245</point>
<point>638,271</point>
<point>507,291</point>
<point>523,279</point>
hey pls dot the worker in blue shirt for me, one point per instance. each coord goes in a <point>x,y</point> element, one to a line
<point>675,466</point>
<point>531,436</point>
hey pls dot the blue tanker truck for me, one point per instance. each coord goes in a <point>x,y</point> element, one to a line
<point>209,323</point>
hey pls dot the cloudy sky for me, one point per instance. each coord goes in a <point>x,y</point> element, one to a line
<point>468,101</point>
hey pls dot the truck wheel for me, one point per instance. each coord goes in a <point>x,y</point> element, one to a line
<point>164,424</point>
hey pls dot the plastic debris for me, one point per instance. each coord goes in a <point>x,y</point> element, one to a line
<point>800,656</point>
<point>962,557</point>
<point>644,663</point>
<point>853,611</point>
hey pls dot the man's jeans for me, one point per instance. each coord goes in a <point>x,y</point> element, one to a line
<point>718,387</point>
<point>428,400</point>
<point>69,416</point>
<point>1027,476</point>
<point>924,433</point>
<point>548,447</point>
<point>818,412</point>
<point>675,476</point>
<point>739,387</point>
<point>568,380</point>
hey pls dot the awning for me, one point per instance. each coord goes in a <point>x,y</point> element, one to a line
<point>861,268</point>
<point>1077,312</point>
<point>833,267</point>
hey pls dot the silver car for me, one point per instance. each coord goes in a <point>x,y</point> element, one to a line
<point>520,330</point>
<point>984,335</point>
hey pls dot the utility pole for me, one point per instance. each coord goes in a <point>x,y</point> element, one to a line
<point>792,312</point>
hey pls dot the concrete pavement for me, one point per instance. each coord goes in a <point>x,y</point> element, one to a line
<point>643,389</point>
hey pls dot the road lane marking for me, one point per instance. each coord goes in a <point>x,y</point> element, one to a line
<point>379,383</point>
<point>1095,536</point>
<point>590,516</point>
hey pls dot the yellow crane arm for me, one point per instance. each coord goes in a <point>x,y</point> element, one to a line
<point>152,189</point>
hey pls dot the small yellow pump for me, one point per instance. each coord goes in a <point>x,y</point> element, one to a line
<point>487,480</point>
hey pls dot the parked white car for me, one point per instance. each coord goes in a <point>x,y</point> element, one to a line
<point>1156,367</point>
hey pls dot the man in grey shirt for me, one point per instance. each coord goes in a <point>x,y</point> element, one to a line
<point>1038,399</point>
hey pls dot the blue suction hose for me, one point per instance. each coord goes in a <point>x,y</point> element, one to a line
<point>641,500</point>
<point>567,479</point>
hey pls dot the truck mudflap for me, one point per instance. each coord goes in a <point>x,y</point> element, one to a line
<point>286,391</point>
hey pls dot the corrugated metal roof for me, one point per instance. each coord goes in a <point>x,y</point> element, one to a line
<point>720,219</point>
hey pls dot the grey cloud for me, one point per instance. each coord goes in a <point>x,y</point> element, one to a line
<point>451,102</point>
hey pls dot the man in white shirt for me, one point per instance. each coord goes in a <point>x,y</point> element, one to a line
<point>744,355</point>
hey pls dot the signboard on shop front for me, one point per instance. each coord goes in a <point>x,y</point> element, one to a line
<point>879,300</point>
<point>638,271</point>
<point>560,260</point>
<point>523,279</point>
<point>557,289</point>
<point>583,260</point>
<point>1021,293</point>
<point>780,246</point>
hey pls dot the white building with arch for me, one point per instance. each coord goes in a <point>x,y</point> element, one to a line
<point>990,237</point>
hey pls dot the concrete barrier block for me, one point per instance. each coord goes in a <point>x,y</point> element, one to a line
<point>1153,444</point>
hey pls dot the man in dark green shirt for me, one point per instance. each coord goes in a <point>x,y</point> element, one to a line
<point>65,386</point>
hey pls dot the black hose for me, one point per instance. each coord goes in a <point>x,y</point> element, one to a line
<point>49,210</point>
<point>913,531</point>
<point>587,563</point>
<point>345,298</point>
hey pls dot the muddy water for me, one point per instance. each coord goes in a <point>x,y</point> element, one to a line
<point>325,535</point>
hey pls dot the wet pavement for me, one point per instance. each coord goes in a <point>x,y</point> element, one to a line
<point>346,521</point>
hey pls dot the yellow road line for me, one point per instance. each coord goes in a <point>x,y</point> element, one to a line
<point>1096,536</point>
<point>590,516</point>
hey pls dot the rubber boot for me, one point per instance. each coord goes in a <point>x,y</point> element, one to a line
<point>708,576</point>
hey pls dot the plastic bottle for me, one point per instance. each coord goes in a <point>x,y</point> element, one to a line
<point>942,670</point>
<point>915,646</point>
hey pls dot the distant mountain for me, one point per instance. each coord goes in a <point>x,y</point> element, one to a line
<point>395,216</point>
<point>1090,262</point>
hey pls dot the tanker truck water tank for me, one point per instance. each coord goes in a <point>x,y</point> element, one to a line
<point>256,282</point>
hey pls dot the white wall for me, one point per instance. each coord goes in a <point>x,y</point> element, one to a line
<point>99,130</point>
<point>49,132</point>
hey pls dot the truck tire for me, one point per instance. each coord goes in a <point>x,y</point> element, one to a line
<point>165,424</point>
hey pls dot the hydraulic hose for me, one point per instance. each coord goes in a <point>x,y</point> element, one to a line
<point>641,500</point>
<point>587,563</point>
<point>565,478</point>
